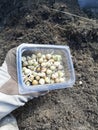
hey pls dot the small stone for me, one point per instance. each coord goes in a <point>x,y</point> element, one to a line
<point>80,82</point>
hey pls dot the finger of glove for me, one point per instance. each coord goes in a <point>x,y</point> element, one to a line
<point>4,76</point>
<point>10,87</point>
<point>8,123</point>
<point>11,63</point>
<point>8,103</point>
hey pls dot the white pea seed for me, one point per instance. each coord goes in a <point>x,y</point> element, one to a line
<point>60,73</point>
<point>51,60</point>
<point>48,64</point>
<point>62,79</point>
<point>40,60</point>
<point>27,83</point>
<point>43,64</point>
<point>39,55</point>
<point>49,71</point>
<point>35,63</point>
<point>58,57</point>
<point>54,76</point>
<point>48,56</point>
<point>52,67</point>
<point>54,58</point>
<point>24,68</point>
<point>34,82</point>
<point>37,77</point>
<point>42,74</point>
<point>34,74</point>
<point>51,81</point>
<point>57,80</point>
<point>23,58</point>
<point>45,60</point>
<point>33,56</point>
<point>34,60</point>
<point>27,71</point>
<point>30,62</point>
<point>26,79</point>
<point>43,69</point>
<point>47,80</point>
<point>60,67</point>
<point>41,81</point>
<point>38,69</point>
<point>43,56</point>
<point>31,77</point>
<point>25,63</point>
<point>57,63</point>
<point>28,58</point>
<point>31,67</point>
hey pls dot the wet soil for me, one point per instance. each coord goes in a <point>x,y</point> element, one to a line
<point>73,108</point>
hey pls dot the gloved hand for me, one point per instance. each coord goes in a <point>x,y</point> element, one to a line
<point>10,98</point>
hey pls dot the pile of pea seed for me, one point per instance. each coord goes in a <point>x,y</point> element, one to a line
<point>39,69</point>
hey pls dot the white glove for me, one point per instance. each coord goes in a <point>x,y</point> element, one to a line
<point>8,123</point>
<point>9,102</point>
<point>9,95</point>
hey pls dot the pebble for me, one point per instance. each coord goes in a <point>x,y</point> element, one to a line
<point>80,82</point>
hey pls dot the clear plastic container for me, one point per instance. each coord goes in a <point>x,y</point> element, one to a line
<point>28,49</point>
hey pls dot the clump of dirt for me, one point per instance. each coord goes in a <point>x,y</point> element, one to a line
<point>68,109</point>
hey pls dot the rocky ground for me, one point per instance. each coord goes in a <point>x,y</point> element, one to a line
<point>68,109</point>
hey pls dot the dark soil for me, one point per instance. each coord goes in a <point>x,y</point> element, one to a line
<point>74,108</point>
